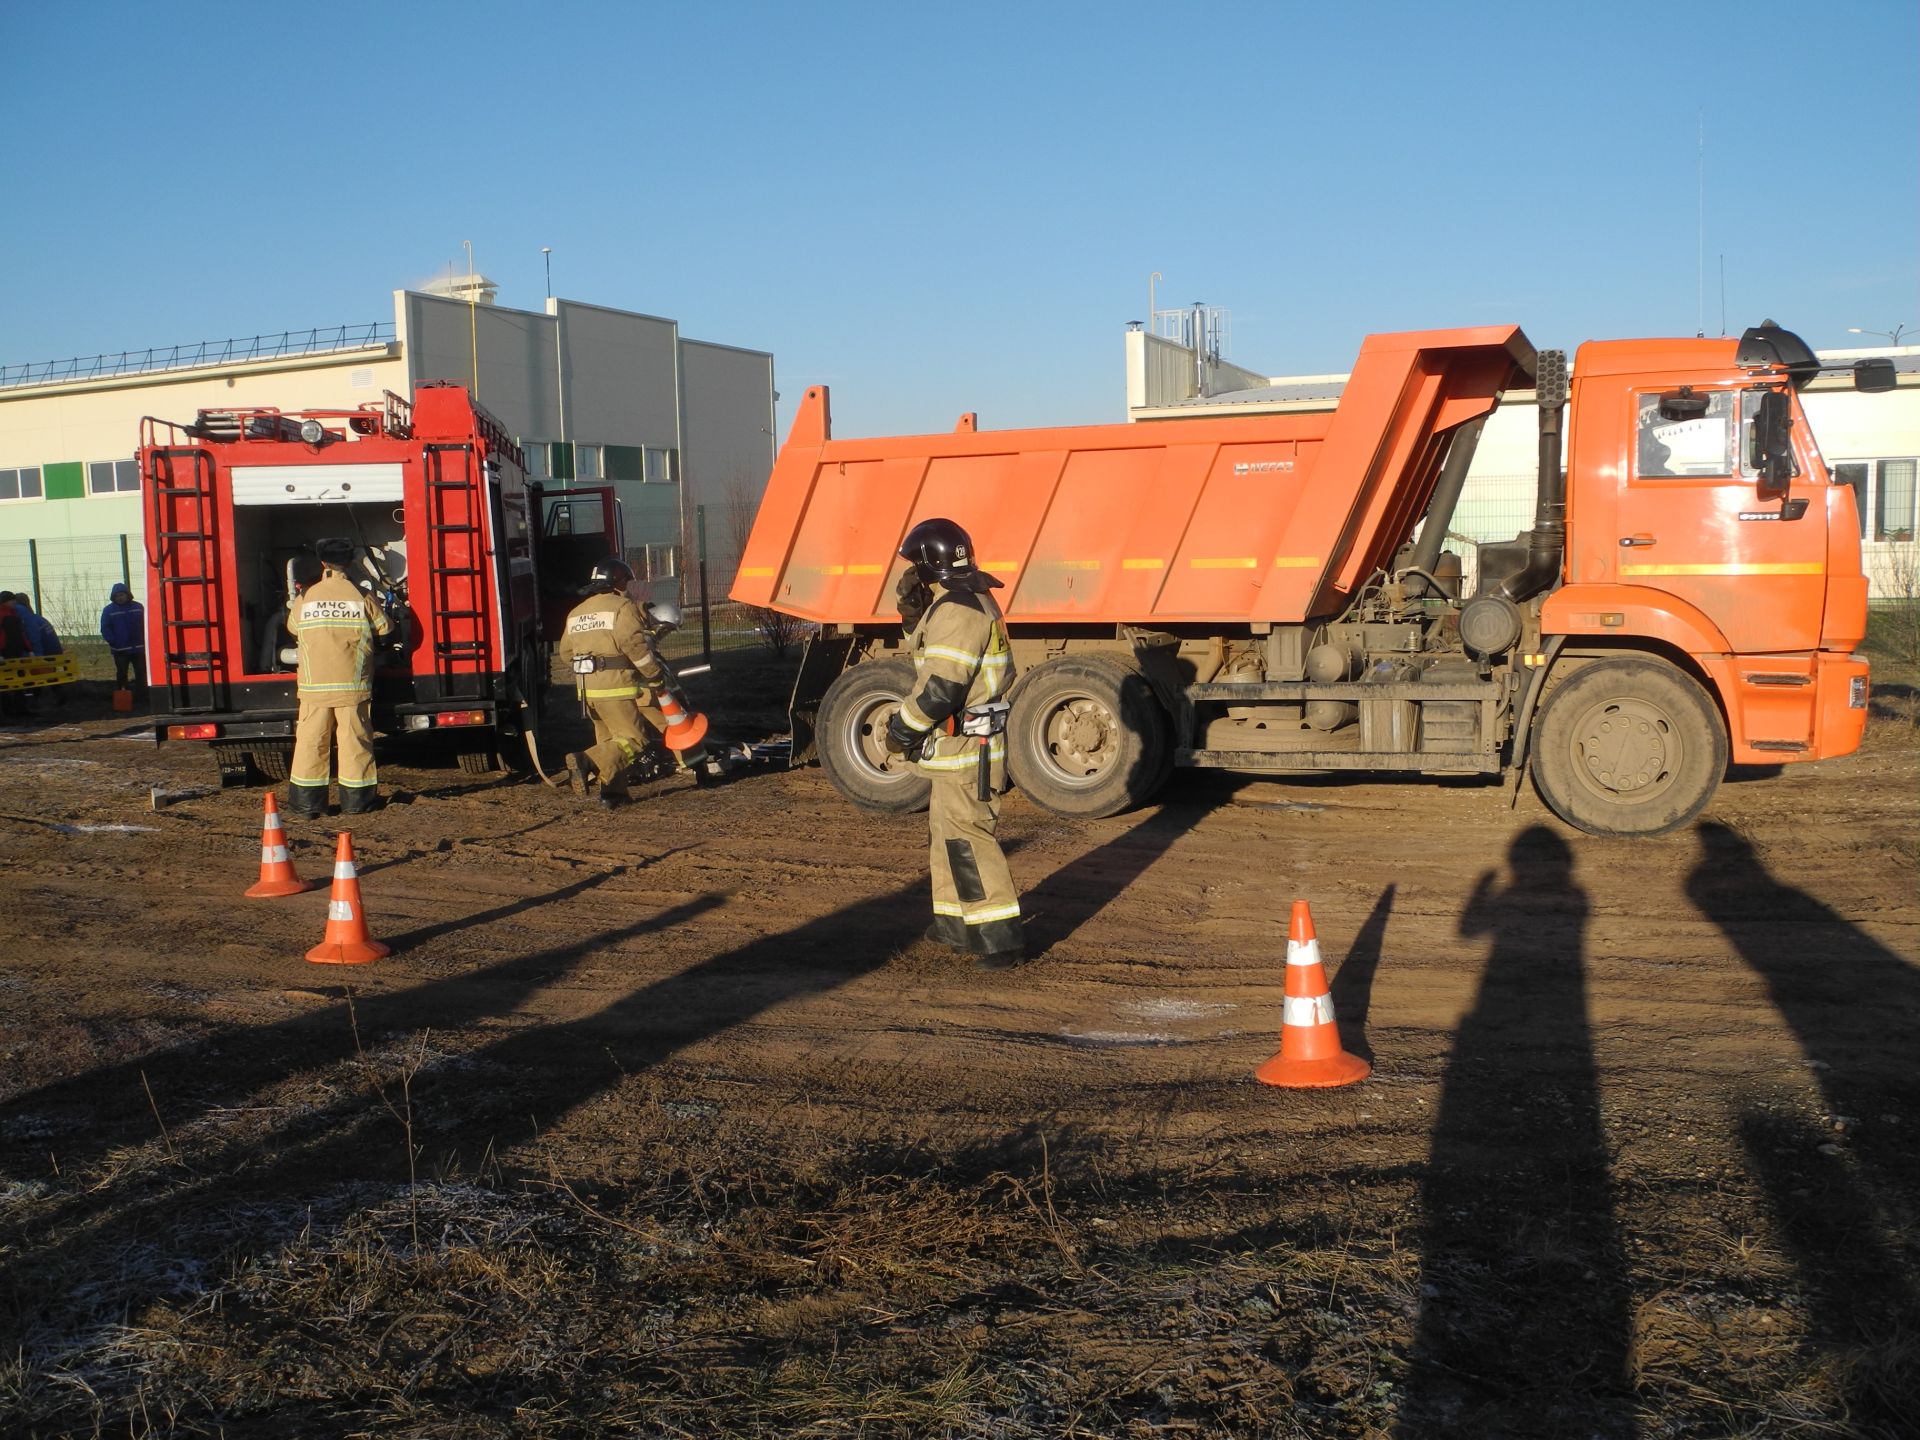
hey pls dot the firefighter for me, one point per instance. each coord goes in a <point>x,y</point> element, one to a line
<point>954,726</point>
<point>662,618</point>
<point>336,626</point>
<point>614,664</point>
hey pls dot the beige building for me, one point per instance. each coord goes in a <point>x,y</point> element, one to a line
<point>1872,442</point>
<point>593,394</point>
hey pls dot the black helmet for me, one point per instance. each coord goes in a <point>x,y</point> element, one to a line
<point>939,550</point>
<point>336,552</point>
<point>612,573</point>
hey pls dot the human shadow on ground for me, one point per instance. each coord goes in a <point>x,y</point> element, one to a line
<point>1524,1322</point>
<point>83,1117</point>
<point>1079,890</point>
<point>228,1200</point>
<point>1844,1192</point>
<point>1352,982</point>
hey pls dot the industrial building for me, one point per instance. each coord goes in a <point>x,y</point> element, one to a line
<point>593,394</point>
<point>1872,442</point>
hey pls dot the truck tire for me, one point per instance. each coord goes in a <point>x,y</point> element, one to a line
<point>479,762</point>
<point>271,760</point>
<point>1628,747</point>
<point>849,733</point>
<point>1087,738</point>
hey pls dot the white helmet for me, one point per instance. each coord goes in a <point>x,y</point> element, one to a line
<point>664,614</point>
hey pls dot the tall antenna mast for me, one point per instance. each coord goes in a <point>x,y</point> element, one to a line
<point>1723,296</point>
<point>1700,251</point>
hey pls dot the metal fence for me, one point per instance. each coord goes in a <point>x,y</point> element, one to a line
<point>316,341</point>
<point>69,579</point>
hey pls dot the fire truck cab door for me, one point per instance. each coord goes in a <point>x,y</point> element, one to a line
<point>578,527</point>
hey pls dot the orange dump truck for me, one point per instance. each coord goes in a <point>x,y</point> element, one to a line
<point>1269,594</point>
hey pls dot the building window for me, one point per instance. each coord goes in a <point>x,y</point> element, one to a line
<point>663,465</point>
<point>21,484</point>
<point>1884,494</point>
<point>662,562</point>
<point>536,453</point>
<point>1893,513</point>
<point>111,477</point>
<point>586,464</point>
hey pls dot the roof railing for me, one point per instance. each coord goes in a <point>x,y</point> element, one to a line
<point>319,340</point>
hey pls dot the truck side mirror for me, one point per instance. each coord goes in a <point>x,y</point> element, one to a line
<point>1875,377</point>
<point>1772,448</point>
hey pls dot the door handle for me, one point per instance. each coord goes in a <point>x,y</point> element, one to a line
<point>1629,542</point>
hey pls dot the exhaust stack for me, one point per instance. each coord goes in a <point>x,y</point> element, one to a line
<point>1547,541</point>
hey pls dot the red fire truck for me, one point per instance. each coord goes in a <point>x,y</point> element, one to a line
<point>476,565</point>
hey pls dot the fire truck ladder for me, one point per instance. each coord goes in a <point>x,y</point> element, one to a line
<point>457,573</point>
<point>187,559</point>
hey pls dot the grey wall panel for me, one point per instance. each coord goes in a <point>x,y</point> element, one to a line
<point>620,377</point>
<point>516,373</point>
<point>728,445</point>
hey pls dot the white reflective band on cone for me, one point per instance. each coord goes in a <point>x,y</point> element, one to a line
<point>1307,1010</point>
<point>273,854</point>
<point>1303,952</point>
<point>343,870</point>
<point>339,910</point>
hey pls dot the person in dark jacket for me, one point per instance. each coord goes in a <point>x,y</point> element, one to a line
<point>13,646</point>
<point>42,639</point>
<point>123,625</point>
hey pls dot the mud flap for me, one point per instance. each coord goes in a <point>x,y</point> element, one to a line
<point>821,662</point>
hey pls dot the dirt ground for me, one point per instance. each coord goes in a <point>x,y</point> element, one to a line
<point>665,1122</point>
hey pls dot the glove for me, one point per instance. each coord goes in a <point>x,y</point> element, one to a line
<point>911,597</point>
<point>902,739</point>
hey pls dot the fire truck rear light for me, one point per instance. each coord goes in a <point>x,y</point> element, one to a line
<point>461,717</point>
<point>193,732</point>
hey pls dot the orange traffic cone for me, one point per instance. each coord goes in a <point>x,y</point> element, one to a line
<point>347,941</point>
<point>1310,1054</point>
<point>276,870</point>
<point>684,731</point>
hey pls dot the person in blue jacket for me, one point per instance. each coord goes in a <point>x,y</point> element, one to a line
<point>123,625</point>
<point>40,632</point>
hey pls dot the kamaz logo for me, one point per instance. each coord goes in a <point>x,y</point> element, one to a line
<point>1260,467</point>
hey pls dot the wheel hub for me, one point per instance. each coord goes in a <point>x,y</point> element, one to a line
<point>1080,737</point>
<point>1625,746</point>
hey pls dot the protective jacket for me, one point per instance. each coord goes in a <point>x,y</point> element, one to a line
<point>608,629</point>
<point>336,624</point>
<point>962,661</point>
<point>124,627</point>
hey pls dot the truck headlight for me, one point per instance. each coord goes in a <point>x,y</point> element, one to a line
<point>312,431</point>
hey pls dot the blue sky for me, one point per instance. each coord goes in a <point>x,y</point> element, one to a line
<point>947,208</point>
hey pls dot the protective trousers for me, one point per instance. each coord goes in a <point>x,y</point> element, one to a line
<point>314,736</point>
<point>619,737</point>
<point>975,906</point>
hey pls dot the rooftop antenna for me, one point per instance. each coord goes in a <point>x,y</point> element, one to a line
<point>1723,297</point>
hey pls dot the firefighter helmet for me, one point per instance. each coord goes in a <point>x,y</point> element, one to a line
<point>335,552</point>
<point>665,615</point>
<point>612,574</point>
<point>939,550</point>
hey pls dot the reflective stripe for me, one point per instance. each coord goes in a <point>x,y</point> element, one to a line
<point>1307,1010</point>
<point>273,854</point>
<point>998,912</point>
<point>999,564</point>
<point>756,572</point>
<point>947,652</point>
<point>1153,563</point>
<point>1224,562</point>
<point>916,722</point>
<point>343,870</point>
<point>312,782</point>
<point>1072,564</point>
<point>346,784</point>
<point>948,907</point>
<point>1303,954</point>
<point>311,687</point>
<point>1784,567</point>
<point>1295,562</point>
<point>969,760</point>
<point>625,692</point>
<point>339,910</point>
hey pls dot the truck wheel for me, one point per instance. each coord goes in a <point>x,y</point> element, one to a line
<point>271,760</point>
<point>849,735</point>
<point>478,762</point>
<point>1628,747</point>
<point>1086,738</point>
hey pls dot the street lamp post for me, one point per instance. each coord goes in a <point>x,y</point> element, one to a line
<point>1893,334</point>
<point>546,253</point>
